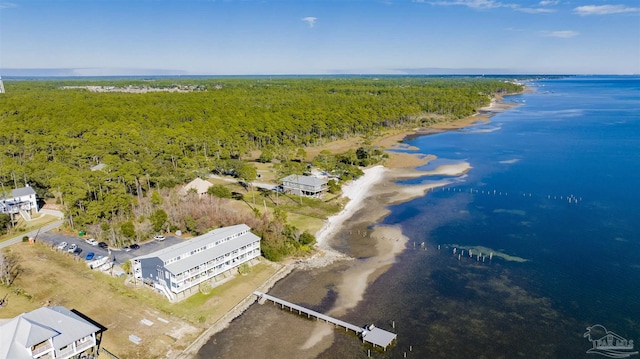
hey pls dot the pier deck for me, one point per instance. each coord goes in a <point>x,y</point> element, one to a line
<point>370,334</point>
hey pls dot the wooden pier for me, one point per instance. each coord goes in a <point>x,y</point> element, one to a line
<point>369,334</point>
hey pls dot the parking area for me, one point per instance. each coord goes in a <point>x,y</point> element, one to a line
<point>119,254</point>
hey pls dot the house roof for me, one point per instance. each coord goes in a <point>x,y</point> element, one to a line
<point>20,333</point>
<point>200,185</point>
<point>211,253</point>
<point>199,242</point>
<point>36,326</point>
<point>24,191</point>
<point>98,167</point>
<point>305,180</point>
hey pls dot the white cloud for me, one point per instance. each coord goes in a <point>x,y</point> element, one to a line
<point>310,20</point>
<point>530,10</point>
<point>7,5</point>
<point>604,9</point>
<point>563,34</point>
<point>493,4</point>
<point>476,4</point>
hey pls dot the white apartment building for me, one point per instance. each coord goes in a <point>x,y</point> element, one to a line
<point>179,269</point>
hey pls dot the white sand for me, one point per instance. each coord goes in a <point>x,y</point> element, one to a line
<point>356,191</point>
<point>450,170</point>
<point>389,240</point>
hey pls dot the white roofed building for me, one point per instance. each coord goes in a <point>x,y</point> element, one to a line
<point>21,200</point>
<point>49,333</point>
<point>178,270</point>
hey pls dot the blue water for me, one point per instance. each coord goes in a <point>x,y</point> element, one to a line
<point>555,182</point>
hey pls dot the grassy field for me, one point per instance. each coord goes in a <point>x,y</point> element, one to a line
<point>307,214</point>
<point>49,277</point>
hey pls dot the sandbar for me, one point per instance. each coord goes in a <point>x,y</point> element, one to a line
<point>369,196</point>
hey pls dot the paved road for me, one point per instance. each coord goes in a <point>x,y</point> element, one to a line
<point>118,255</point>
<point>34,233</point>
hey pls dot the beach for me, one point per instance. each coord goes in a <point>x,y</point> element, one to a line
<point>499,197</point>
<point>347,271</point>
<point>353,250</point>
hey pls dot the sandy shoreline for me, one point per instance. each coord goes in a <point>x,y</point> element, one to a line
<point>356,191</point>
<point>389,241</point>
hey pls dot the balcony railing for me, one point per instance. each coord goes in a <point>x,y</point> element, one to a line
<point>79,349</point>
<point>41,349</point>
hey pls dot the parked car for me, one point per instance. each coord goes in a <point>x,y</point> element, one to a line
<point>134,246</point>
<point>92,242</point>
<point>126,249</point>
<point>159,238</point>
<point>72,248</point>
<point>103,245</point>
<point>77,251</point>
<point>62,245</point>
<point>89,256</point>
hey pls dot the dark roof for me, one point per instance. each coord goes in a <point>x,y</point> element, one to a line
<point>305,180</point>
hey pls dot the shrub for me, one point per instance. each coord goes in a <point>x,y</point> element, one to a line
<point>307,238</point>
<point>219,191</point>
<point>244,268</point>
<point>205,288</point>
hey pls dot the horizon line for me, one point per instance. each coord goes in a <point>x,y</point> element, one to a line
<point>426,71</point>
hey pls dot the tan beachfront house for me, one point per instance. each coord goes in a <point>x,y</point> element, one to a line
<point>304,185</point>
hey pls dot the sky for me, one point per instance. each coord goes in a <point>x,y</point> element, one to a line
<point>271,37</point>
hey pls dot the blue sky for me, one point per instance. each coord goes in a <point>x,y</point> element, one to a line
<point>240,37</point>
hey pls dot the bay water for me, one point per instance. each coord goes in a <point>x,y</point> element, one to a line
<point>550,213</point>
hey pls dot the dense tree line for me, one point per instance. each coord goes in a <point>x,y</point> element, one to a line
<point>51,137</point>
